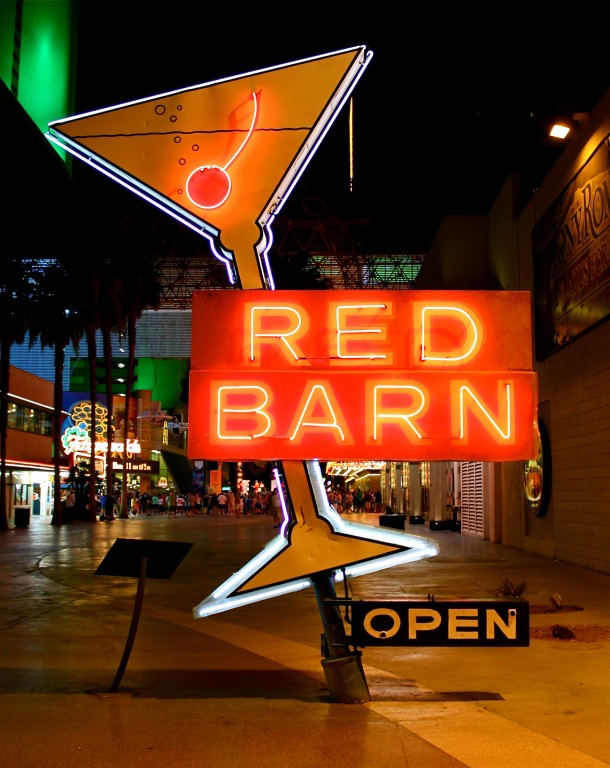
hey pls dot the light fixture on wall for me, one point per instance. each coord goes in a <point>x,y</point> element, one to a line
<point>559,130</point>
<point>565,126</point>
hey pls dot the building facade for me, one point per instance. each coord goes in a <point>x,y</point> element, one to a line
<point>557,247</point>
<point>29,449</point>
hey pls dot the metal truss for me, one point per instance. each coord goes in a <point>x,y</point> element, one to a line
<point>335,244</point>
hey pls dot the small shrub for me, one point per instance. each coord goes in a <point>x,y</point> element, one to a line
<point>508,589</point>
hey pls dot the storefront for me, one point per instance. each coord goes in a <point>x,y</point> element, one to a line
<point>29,466</point>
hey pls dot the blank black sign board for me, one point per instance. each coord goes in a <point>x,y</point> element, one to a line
<point>125,555</point>
<point>140,558</point>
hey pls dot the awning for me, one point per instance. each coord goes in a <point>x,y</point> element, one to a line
<point>181,470</point>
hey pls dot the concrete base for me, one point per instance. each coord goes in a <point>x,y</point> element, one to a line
<point>22,517</point>
<point>345,680</point>
<point>393,521</point>
<point>441,525</point>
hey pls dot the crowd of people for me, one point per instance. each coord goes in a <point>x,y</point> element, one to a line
<point>176,504</point>
<point>348,501</point>
<point>231,502</point>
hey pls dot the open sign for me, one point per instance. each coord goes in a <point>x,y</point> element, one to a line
<point>443,623</point>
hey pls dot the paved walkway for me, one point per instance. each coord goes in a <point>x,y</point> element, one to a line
<point>246,687</point>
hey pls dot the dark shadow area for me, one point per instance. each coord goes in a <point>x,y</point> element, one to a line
<point>551,609</point>
<point>169,684</point>
<point>471,696</point>
<point>398,692</point>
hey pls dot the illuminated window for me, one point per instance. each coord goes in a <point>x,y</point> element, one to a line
<point>27,419</point>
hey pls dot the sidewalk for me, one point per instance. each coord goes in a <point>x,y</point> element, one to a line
<point>246,687</point>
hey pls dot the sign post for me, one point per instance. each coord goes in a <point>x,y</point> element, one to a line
<point>140,558</point>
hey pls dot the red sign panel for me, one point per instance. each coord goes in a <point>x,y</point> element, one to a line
<point>387,375</point>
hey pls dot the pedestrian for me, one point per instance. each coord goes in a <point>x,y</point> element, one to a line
<point>276,508</point>
<point>190,503</point>
<point>222,503</point>
<point>348,502</point>
<point>378,502</point>
<point>249,504</point>
<point>109,507</point>
<point>171,503</point>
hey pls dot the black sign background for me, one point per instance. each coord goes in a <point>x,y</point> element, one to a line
<point>372,619</point>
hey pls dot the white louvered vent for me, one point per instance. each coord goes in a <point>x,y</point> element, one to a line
<point>472,498</point>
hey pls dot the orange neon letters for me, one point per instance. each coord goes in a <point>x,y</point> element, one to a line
<point>362,375</point>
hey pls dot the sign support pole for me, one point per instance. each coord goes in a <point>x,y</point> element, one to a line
<point>139,558</point>
<point>342,667</point>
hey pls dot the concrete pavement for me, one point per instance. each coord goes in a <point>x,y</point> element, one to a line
<point>246,687</point>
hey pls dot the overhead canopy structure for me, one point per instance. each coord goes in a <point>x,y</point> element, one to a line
<point>180,469</point>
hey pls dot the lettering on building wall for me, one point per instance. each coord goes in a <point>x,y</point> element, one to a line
<point>140,467</point>
<point>571,245</point>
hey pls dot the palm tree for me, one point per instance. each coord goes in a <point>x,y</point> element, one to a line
<point>90,332</point>
<point>56,320</point>
<point>135,258</point>
<point>17,281</point>
<point>141,290</point>
<point>110,320</point>
<point>90,280</point>
<point>89,283</point>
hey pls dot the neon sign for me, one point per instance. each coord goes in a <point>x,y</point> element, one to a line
<point>296,376</point>
<point>76,440</point>
<point>355,375</point>
<point>175,149</point>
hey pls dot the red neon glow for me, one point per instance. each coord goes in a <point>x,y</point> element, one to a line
<point>209,186</point>
<point>377,416</point>
<point>449,334</point>
<point>354,375</point>
<point>405,330</point>
<point>281,326</point>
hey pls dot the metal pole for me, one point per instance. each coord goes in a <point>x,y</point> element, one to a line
<point>342,667</point>
<point>134,625</point>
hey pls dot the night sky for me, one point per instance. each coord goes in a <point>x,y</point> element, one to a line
<point>450,103</point>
